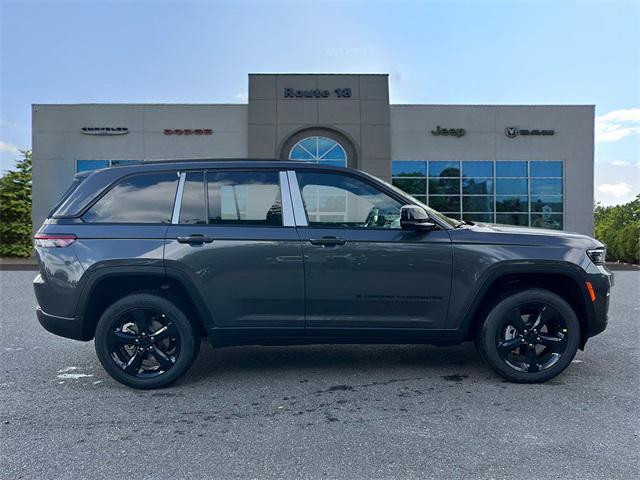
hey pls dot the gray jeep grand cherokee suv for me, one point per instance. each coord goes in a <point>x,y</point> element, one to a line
<point>148,259</point>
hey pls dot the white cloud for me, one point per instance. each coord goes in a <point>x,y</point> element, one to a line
<point>618,124</point>
<point>617,190</point>
<point>242,97</point>
<point>620,163</point>
<point>9,148</point>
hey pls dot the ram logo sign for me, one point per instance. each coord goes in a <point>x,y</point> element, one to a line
<point>513,132</point>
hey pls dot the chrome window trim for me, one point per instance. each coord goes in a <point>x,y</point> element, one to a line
<point>175,217</point>
<point>299,213</point>
<point>288,219</point>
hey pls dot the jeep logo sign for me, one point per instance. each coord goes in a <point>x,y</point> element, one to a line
<point>513,132</point>
<point>451,132</point>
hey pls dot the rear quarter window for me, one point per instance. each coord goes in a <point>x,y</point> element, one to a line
<point>145,198</point>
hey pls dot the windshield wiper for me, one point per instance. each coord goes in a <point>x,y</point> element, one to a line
<point>462,223</point>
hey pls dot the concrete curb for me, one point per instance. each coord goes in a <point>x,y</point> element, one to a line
<point>18,264</point>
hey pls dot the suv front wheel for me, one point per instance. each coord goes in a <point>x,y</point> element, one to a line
<point>145,341</point>
<point>530,336</point>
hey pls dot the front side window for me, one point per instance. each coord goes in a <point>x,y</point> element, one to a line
<point>144,198</point>
<point>244,198</point>
<point>341,201</point>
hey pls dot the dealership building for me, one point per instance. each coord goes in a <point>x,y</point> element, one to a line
<point>528,165</point>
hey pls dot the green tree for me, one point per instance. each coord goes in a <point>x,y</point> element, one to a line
<point>619,227</point>
<point>15,209</point>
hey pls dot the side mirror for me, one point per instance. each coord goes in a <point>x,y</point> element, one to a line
<point>413,217</point>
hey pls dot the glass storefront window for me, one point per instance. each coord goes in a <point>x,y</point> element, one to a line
<point>444,169</point>
<point>511,185</point>
<point>477,169</point>
<point>512,203</point>
<point>477,186</point>
<point>87,165</point>
<point>444,186</point>
<point>444,203</point>
<point>554,221</point>
<point>516,192</point>
<point>477,203</point>
<point>546,186</point>
<point>521,219</point>
<point>409,168</point>
<point>511,169</point>
<point>546,168</point>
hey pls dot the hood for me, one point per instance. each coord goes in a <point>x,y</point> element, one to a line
<point>513,235</point>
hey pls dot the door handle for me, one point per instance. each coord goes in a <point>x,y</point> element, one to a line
<point>195,238</point>
<point>327,241</point>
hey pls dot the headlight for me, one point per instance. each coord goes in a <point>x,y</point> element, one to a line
<point>597,255</point>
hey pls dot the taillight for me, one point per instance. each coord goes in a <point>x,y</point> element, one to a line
<point>58,240</point>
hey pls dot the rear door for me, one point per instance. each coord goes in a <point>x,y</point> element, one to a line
<point>234,237</point>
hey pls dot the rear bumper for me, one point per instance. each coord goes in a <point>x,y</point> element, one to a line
<point>61,326</point>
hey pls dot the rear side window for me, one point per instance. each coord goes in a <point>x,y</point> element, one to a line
<point>231,198</point>
<point>244,198</point>
<point>144,198</point>
<point>77,180</point>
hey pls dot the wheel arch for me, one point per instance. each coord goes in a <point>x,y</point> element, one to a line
<point>108,284</point>
<point>565,280</point>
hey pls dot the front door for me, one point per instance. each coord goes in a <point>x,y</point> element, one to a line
<point>362,271</point>
<point>234,240</point>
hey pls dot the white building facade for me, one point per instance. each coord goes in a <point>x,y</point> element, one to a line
<point>512,164</point>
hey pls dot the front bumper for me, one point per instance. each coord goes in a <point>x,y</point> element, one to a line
<point>62,326</point>
<point>602,281</point>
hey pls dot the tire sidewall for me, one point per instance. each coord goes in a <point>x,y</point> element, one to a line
<point>188,341</point>
<point>487,339</point>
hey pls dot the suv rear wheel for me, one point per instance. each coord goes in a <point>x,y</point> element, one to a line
<point>145,341</point>
<point>530,336</point>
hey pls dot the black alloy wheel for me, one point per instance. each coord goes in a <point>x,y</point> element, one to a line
<point>532,337</point>
<point>529,336</point>
<point>145,340</point>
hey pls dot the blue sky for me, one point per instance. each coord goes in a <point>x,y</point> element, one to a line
<point>446,52</point>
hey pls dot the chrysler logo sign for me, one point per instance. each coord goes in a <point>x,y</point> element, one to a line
<point>105,130</point>
<point>513,132</point>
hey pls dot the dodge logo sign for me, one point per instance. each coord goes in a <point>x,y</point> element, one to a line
<point>513,132</point>
<point>188,131</point>
<point>104,130</point>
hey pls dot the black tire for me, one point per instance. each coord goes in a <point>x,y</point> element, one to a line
<point>529,336</point>
<point>145,341</point>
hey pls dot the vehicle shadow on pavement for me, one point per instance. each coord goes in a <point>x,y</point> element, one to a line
<point>231,362</point>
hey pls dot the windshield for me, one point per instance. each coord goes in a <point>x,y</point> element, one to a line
<point>432,213</point>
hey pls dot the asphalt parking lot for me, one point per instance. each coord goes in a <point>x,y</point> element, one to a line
<point>317,412</point>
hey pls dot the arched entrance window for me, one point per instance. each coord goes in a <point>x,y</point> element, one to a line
<point>317,149</point>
